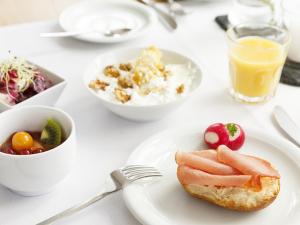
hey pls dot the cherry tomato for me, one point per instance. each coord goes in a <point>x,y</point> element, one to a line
<point>22,141</point>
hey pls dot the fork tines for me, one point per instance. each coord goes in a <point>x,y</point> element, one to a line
<point>135,172</point>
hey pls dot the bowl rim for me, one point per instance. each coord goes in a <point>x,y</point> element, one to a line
<point>49,108</point>
<point>62,82</point>
<point>126,49</point>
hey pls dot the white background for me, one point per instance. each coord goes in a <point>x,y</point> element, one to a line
<point>104,140</point>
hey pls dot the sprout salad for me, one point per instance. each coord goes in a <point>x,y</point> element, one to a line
<point>20,80</point>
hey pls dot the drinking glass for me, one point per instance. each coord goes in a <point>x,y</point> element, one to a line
<point>257,53</point>
<point>291,15</point>
<point>258,11</point>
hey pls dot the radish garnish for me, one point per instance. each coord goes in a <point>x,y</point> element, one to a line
<point>236,136</point>
<point>215,135</point>
<point>231,135</point>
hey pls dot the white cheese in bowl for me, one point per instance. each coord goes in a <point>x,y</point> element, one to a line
<point>144,81</point>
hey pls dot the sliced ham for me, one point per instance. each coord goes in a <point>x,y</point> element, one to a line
<point>204,164</point>
<point>246,164</point>
<point>209,154</point>
<point>188,176</point>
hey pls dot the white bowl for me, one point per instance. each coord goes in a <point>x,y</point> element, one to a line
<point>135,112</point>
<point>46,97</point>
<point>36,174</point>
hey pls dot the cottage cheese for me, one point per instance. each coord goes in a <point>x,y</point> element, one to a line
<point>152,82</point>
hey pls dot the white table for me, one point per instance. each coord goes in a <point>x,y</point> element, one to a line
<point>105,140</point>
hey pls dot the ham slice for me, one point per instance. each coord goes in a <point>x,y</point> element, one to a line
<point>209,154</point>
<point>189,176</point>
<point>204,164</point>
<point>246,164</point>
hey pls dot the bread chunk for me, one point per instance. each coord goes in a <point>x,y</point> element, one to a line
<point>238,198</point>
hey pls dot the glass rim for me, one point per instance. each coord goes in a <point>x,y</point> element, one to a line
<point>257,3</point>
<point>258,25</point>
<point>287,8</point>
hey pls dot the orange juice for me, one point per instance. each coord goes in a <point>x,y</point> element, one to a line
<point>255,66</point>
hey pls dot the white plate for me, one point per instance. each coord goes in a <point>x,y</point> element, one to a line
<point>107,15</point>
<point>166,203</point>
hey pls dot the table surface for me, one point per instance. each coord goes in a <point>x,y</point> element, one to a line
<point>104,140</point>
<point>20,11</point>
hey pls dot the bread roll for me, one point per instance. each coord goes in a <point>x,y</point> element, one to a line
<point>238,198</point>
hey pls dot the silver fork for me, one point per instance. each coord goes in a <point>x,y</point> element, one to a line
<point>120,177</point>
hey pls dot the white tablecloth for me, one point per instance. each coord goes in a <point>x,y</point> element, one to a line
<point>104,140</point>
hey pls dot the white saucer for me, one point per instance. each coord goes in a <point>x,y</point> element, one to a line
<point>166,203</point>
<point>107,15</point>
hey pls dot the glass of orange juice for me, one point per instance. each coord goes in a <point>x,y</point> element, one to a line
<point>257,53</point>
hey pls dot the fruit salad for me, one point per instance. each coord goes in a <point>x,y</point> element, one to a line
<point>33,142</point>
<point>20,80</point>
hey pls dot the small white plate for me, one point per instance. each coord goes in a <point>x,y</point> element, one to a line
<point>107,15</point>
<point>166,203</point>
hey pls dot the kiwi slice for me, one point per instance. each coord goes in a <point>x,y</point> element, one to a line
<point>51,135</point>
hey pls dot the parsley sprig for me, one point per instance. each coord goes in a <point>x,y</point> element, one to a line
<point>232,129</point>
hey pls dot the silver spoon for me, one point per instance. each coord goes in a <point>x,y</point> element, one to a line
<point>108,33</point>
<point>176,8</point>
<point>167,19</point>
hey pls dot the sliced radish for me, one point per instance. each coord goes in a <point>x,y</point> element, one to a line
<point>236,136</point>
<point>215,135</point>
<point>231,135</point>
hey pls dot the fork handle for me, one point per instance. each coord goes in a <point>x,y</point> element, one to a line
<point>76,208</point>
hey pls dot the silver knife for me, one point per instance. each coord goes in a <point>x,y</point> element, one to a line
<point>287,124</point>
<point>167,19</point>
